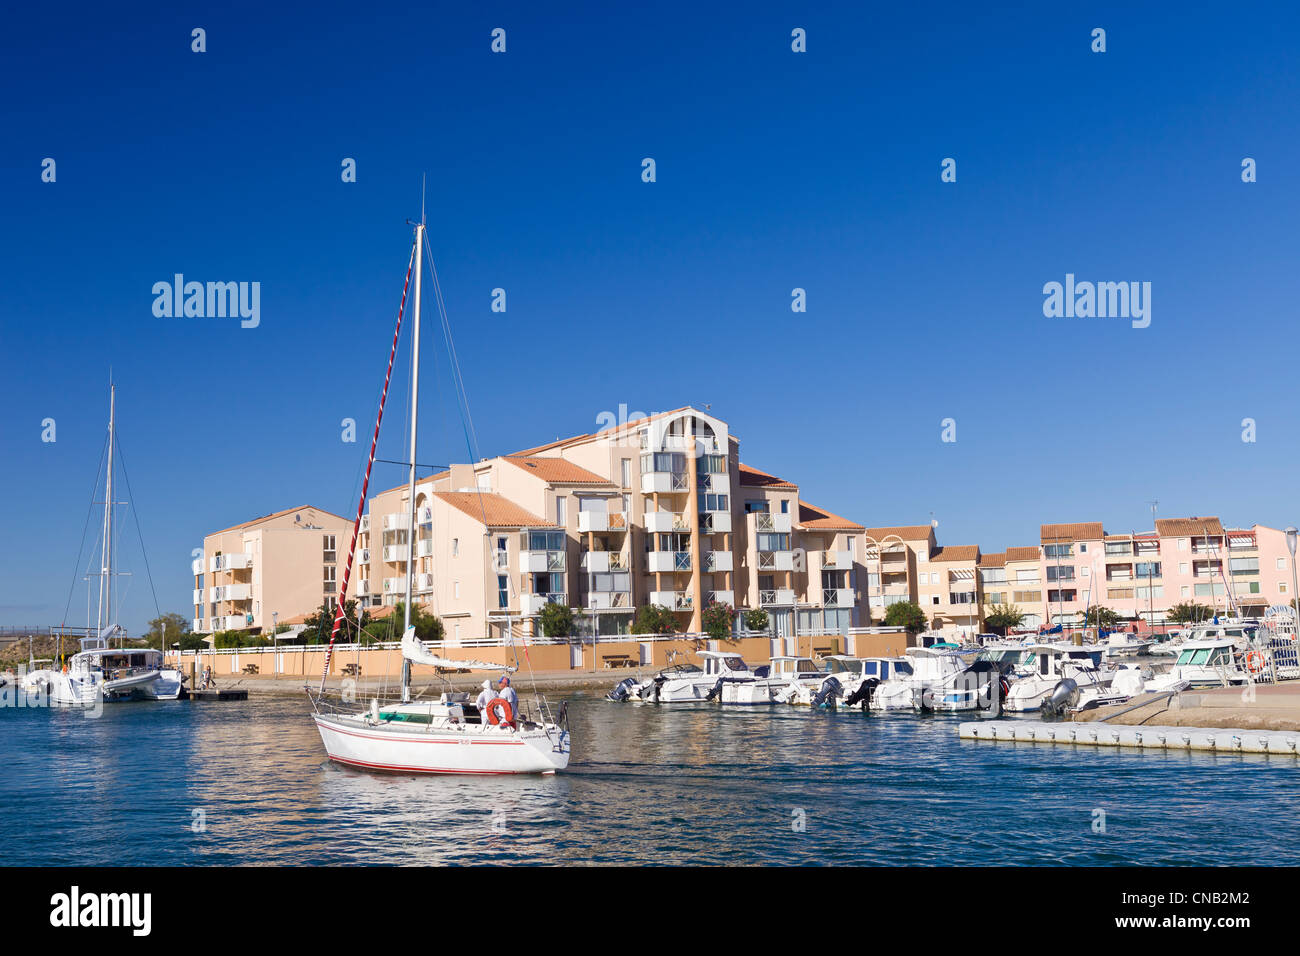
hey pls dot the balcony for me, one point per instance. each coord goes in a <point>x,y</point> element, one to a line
<point>766,521</point>
<point>425,515</point>
<point>196,625</point>
<point>668,561</point>
<point>715,522</point>
<point>531,604</point>
<point>609,601</point>
<point>422,582</point>
<point>776,560</point>
<point>395,553</point>
<point>659,522</point>
<point>501,560</point>
<point>778,597</point>
<point>198,596</point>
<point>394,585</point>
<point>196,566</point>
<point>424,547</point>
<point>231,561</point>
<point>533,562</point>
<point>598,562</point>
<point>397,522</point>
<point>718,561</point>
<point>365,524</point>
<point>363,555</point>
<point>720,597</point>
<point>836,559</point>
<point>837,597</point>
<point>230,592</point>
<point>600,521</point>
<point>363,588</point>
<point>664,482</point>
<point>673,600</point>
<point>713,484</point>
<point>232,622</point>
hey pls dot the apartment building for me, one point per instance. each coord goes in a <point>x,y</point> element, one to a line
<point>658,511</point>
<point>271,568</point>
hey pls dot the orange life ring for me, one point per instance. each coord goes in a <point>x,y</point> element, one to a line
<point>507,718</point>
<point>1255,662</point>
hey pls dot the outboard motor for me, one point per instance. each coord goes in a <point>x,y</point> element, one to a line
<point>830,690</point>
<point>1066,694</point>
<point>717,690</point>
<point>863,694</point>
<point>622,690</point>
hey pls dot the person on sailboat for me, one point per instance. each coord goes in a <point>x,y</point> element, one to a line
<point>507,693</point>
<point>485,695</point>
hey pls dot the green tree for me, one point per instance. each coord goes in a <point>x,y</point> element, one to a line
<point>320,625</point>
<point>654,619</point>
<point>428,627</point>
<point>1002,617</point>
<point>906,614</point>
<point>716,620</point>
<point>1189,612</point>
<point>166,630</point>
<point>193,642</point>
<point>1099,616</point>
<point>557,619</point>
<point>756,619</point>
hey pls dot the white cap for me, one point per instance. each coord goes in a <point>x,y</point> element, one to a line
<point>487,685</point>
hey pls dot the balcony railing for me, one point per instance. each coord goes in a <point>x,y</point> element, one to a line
<point>397,522</point>
<point>424,547</point>
<point>668,561</point>
<point>658,522</point>
<point>394,585</point>
<point>837,597</point>
<point>720,597</point>
<point>600,521</point>
<point>776,560</point>
<point>836,559</point>
<point>231,561</point>
<point>608,600</point>
<point>717,561</point>
<point>673,600</point>
<point>715,522</point>
<point>766,521</point>
<point>395,553</point>
<point>779,596</point>
<point>535,562</point>
<point>363,588</point>
<point>196,566</point>
<point>422,582</point>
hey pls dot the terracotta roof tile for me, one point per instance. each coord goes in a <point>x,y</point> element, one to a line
<point>558,471</point>
<point>1186,527</point>
<point>1083,531</point>
<point>280,514</point>
<point>761,479</point>
<point>960,552</point>
<point>813,517</point>
<point>914,532</point>
<point>493,510</point>
<point>998,560</point>
<point>1022,554</point>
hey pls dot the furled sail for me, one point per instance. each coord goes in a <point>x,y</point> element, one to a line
<point>415,652</point>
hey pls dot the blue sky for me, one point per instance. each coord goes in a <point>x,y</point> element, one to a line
<point>775,170</point>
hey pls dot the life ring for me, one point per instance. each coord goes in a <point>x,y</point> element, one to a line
<point>1255,662</point>
<point>507,718</point>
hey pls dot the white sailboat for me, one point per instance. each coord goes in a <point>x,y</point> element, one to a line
<point>100,671</point>
<point>446,734</point>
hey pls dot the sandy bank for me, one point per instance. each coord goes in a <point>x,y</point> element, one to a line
<point>1272,708</point>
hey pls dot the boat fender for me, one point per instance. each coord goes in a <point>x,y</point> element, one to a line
<point>507,715</point>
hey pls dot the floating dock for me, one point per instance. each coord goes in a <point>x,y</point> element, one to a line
<point>218,695</point>
<point>1216,740</point>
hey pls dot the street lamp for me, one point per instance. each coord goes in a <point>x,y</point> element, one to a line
<point>1290,543</point>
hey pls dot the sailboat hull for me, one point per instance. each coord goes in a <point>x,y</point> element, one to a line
<point>381,747</point>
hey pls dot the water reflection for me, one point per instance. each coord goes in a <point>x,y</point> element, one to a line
<point>647,784</point>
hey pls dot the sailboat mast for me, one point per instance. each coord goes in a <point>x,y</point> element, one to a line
<point>415,407</point>
<point>106,555</point>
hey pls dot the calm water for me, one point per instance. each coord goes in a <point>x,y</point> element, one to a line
<point>647,785</point>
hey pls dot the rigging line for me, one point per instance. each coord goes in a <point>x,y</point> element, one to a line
<point>85,528</point>
<point>471,435</point>
<point>135,516</point>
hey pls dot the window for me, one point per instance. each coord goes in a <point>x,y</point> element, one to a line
<point>1182,567</point>
<point>961,597</point>
<point>625,472</point>
<point>769,541</point>
<point>545,540</point>
<point>1026,597</point>
<point>1281,564</point>
<point>1065,595</point>
<point>1058,550</point>
<point>1184,591</point>
<point>329,578</point>
<point>503,591</point>
<point>756,507</point>
<point>1118,547</point>
<point>1055,573</point>
<point>995,597</point>
<point>457,633</point>
<point>483,482</point>
<point>1148,569</point>
<point>713,464</point>
<point>1244,565</point>
<point>1156,590</point>
<point>1182,544</point>
<point>785,506</point>
<point>1281,589</point>
<point>455,547</point>
<point>560,502</point>
<point>331,553</point>
<point>673,461</point>
<point>1029,575</point>
<point>713,503</point>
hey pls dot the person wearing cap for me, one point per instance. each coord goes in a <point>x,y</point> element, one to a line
<point>507,693</point>
<point>484,696</point>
